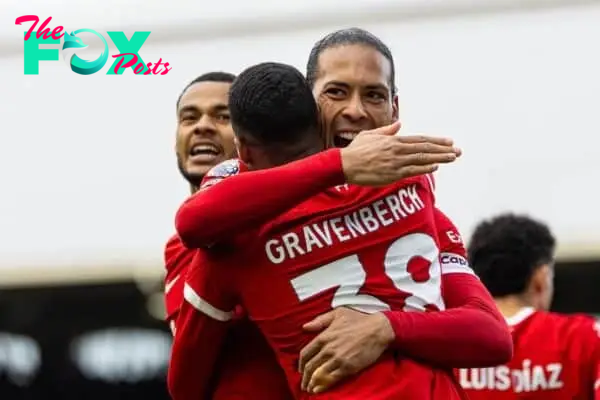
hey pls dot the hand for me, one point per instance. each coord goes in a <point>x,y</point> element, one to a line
<point>349,342</point>
<point>380,157</point>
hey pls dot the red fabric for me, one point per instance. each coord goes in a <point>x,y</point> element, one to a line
<point>471,332</point>
<point>330,251</point>
<point>556,357</point>
<point>194,354</point>
<point>177,258</point>
<point>461,288</point>
<point>247,359</point>
<point>244,361</point>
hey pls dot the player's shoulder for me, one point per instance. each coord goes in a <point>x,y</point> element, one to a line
<point>431,181</point>
<point>584,324</point>
<point>227,168</point>
<point>420,182</point>
<point>572,325</point>
<point>223,170</point>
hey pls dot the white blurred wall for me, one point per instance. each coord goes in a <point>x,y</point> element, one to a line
<point>87,165</point>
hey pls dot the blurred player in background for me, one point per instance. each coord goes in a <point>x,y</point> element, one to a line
<point>205,138</point>
<point>556,356</point>
<point>265,110</point>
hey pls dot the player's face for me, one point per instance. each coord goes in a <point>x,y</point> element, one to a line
<point>353,91</point>
<point>204,133</point>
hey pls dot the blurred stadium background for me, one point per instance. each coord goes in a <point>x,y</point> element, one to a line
<point>90,185</point>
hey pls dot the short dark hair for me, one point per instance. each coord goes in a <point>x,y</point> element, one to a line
<point>343,37</point>
<point>272,103</point>
<point>214,76</point>
<point>506,250</point>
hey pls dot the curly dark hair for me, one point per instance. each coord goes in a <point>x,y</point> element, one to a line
<point>506,250</point>
<point>273,103</point>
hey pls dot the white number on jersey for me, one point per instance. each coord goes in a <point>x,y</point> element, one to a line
<point>349,276</point>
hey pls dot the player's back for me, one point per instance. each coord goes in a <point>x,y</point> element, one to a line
<point>369,249</point>
<point>555,357</point>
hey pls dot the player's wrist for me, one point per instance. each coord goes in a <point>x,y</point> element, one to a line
<point>385,331</point>
<point>395,325</point>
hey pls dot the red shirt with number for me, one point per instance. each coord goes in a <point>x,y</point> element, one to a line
<point>555,357</point>
<point>369,249</point>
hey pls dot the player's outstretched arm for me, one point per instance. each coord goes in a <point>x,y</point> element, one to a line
<point>241,202</point>
<point>199,331</point>
<point>471,332</point>
<point>244,201</point>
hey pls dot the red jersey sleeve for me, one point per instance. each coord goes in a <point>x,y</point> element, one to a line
<point>195,350</point>
<point>468,335</point>
<point>176,258</point>
<point>210,287</point>
<point>256,197</point>
<point>471,332</point>
<point>201,326</point>
<point>453,254</point>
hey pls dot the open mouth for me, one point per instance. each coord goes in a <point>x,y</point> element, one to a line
<point>343,139</point>
<point>204,150</point>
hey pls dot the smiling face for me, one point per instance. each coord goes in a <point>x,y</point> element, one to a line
<point>204,134</point>
<point>353,89</point>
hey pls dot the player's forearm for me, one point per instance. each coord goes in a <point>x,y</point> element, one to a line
<point>195,348</point>
<point>249,199</point>
<point>470,333</point>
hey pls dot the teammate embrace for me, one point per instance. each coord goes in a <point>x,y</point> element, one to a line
<point>339,256</point>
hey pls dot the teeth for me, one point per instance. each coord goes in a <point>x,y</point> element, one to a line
<point>347,135</point>
<point>204,148</point>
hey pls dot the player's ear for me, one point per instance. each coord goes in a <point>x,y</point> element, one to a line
<point>243,150</point>
<point>541,281</point>
<point>543,286</point>
<point>395,109</point>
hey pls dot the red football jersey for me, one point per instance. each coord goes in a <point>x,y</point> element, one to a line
<point>177,259</point>
<point>369,249</point>
<point>246,360</point>
<point>555,357</point>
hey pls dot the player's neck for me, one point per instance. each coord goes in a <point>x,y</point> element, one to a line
<point>511,305</point>
<point>287,155</point>
<point>194,189</point>
<point>305,153</point>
